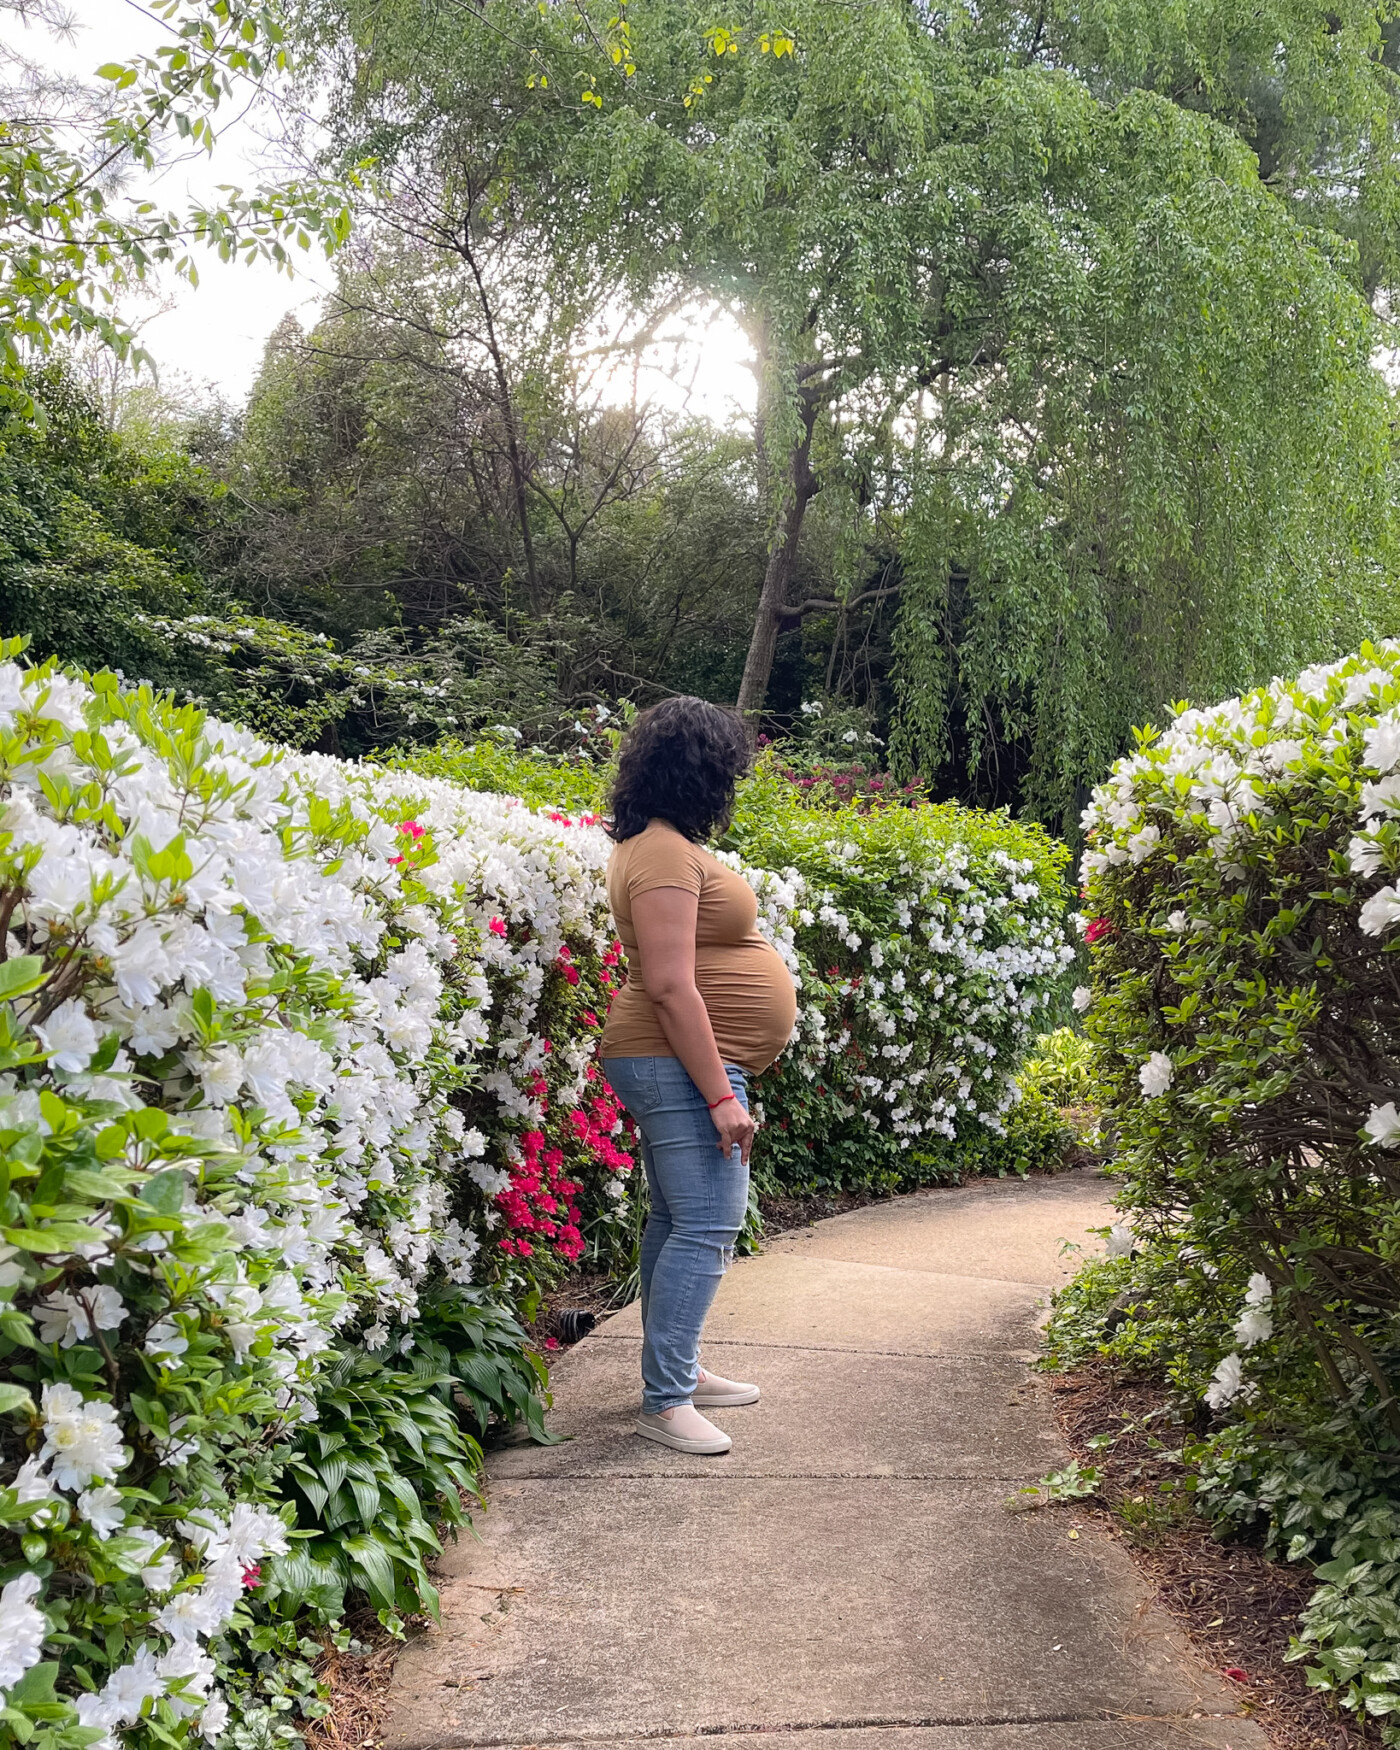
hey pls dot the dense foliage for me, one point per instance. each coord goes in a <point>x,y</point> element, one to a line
<point>930,943</point>
<point>285,1138</point>
<point>115,551</point>
<point>1035,452</point>
<point>1242,909</point>
<point>929,949</point>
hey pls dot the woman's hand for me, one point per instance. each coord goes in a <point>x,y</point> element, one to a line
<point>734,1125</point>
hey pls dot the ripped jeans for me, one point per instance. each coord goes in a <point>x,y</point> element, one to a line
<point>698,1202</point>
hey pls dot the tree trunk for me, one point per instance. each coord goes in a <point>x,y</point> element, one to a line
<point>777,576</point>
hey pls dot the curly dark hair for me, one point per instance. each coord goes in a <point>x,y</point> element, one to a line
<point>679,762</point>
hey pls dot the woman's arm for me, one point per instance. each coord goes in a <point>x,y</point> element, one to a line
<point>664,919</point>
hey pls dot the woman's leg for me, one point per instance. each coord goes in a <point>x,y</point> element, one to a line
<point>706,1197</point>
<point>634,1081</point>
<point>658,1227</point>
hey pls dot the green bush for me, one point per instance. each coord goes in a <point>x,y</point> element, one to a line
<point>543,780</point>
<point>1242,904</point>
<point>929,946</point>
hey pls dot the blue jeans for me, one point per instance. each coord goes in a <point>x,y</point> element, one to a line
<point>698,1202</point>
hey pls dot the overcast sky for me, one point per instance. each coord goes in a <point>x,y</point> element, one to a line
<point>214,333</point>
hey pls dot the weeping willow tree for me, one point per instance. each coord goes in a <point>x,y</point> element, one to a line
<point>1062,313</point>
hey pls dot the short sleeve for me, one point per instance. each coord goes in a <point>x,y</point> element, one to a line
<point>664,859</point>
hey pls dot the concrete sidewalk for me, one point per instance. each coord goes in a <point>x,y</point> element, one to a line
<point>848,1575</point>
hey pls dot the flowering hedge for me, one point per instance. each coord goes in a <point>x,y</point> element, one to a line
<point>930,948</point>
<point>1243,905</point>
<point>298,1101</point>
<point>292,1054</point>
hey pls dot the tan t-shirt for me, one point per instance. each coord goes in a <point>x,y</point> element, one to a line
<point>747,991</point>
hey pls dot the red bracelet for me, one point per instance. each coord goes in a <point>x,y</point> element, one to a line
<point>720,1101</point>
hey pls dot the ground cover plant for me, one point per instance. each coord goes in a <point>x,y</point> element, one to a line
<point>1242,908</point>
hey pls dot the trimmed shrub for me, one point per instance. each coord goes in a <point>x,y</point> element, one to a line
<point>290,1053</point>
<point>1243,913</point>
<point>930,948</point>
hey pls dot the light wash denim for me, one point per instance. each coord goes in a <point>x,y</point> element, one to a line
<point>699,1198</point>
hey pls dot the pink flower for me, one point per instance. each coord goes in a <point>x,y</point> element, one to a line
<point>497,926</point>
<point>412,828</point>
<point>1097,930</point>
<point>551,1343</point>
<point>252,1575</point>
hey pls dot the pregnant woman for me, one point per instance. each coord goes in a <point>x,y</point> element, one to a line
<point>707,1001</point>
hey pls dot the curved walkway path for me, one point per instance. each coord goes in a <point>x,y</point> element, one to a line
<point>848,1575</point>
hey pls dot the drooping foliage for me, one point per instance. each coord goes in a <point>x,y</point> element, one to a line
<point>72,229</point>
<point>1046,363</point>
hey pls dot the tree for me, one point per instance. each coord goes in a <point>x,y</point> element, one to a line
<point>376,490</point>
<point>1029,321</point>
<point>71,230</point>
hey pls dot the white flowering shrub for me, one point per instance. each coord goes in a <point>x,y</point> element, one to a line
<point>1243,909</point>
<point>295,1099</point>
<point>929,952</point>
<point>929,946</point>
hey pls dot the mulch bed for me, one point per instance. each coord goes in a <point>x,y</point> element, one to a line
<point>358,1685</point>
<point>1238,1607</point>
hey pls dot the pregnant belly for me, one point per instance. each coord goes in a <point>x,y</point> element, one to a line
<point>750,998</point>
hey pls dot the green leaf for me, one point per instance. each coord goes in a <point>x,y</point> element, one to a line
<point>372,1561</point>
<point>20,976</point>
<point>165,1192</point>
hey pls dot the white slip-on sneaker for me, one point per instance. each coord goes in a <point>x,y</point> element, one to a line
<point>686,1430</point>
<point>723,1394</point>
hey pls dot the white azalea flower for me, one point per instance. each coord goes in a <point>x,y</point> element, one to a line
<point>22,1629</point>
<point>1142,844</point>
<point>69,1036</point>
<point>129,1687</point>
<point>213,1720</point>
<point>102,1508</point>
<point>82,1439</point>
<point>1383,1126</point>
<point>1227,1382</point>
<point>1083,997</point>
<point>157,1571</point>
<point>1254,1325</point>
<point>165,1340</point>
<point>69,1318</point>
<point>32,1483</point>
<point>1383,745</point>
<point>1381,911</point>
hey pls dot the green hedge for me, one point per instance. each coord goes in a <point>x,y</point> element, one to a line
<point>1242,905</point>
<point>928,945</point>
